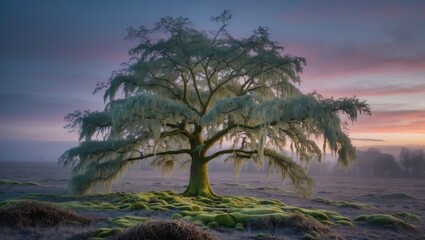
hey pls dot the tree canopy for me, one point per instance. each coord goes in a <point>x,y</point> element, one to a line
<point>188,97</point>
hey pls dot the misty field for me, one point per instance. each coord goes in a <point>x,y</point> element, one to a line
<point>344,207</point>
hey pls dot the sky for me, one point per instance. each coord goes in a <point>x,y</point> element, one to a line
<point>52,54</point>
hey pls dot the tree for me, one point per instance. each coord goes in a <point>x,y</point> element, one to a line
<point>185,91</point>
<point>375,163</point>
<point>413,161</point>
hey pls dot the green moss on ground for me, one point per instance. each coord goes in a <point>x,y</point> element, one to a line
<point>6,182</point>
<point>220,212</point>
<point>8,202</point>
<point>308,236</point>
<point>343,204</point>
<point>128,221</point>
<point>102,233</point>
<point>263,236</point>
<point>239,227</point>
<point>344,223</point>
<point>408,216</point>
<point>225,220</point>
<point>88,206</point>
<point>399,195</point>
<point>384,220</point>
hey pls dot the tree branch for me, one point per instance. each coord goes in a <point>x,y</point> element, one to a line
<point>176,132</point>
<point>211,141</point>
<point>229,151</point>
<point>171,152</point>
<point>195,86</point>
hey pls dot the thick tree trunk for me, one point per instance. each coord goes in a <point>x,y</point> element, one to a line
<point>199,184</point>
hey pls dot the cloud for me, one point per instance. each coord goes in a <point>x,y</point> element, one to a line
<point>386,90</point>
<point>367,140</point>
<point>328,61</point>
<point>69,31</point>
<point>371,45</point>
<point>22,107</point>
<point>401,121</point>
<point>33,150</point>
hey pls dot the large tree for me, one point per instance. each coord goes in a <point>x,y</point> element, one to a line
<point>189,96</point>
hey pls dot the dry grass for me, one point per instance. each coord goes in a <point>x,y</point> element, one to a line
<point>306,224</point>
<point>298,222</point>
<point>171,230</point>
<point>38,214</point>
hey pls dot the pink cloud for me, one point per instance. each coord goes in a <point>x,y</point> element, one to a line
<point>390,90</point>
<point>327,61</point>
<point>407,121</point>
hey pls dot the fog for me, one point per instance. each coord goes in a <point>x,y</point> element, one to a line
<point>29,151</point>
<point>371,162</point>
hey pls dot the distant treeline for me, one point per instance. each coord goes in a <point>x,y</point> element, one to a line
<point>374,163</point>
<point>409,163</point>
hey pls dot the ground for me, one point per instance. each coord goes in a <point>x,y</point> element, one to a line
<point>370,204</point>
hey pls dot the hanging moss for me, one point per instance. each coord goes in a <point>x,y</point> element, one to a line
<point>185,91</point>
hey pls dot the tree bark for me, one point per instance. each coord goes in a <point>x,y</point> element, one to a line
<point>199,184</point>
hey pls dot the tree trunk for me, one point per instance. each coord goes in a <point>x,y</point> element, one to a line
<point>199,184</point>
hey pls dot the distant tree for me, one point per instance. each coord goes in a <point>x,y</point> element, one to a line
<point>185,91</point>
<point>374,163</point>
<point>384,165</point>
<point>413,161</point>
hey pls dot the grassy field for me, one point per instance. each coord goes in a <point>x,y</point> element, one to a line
<point>143,202</point>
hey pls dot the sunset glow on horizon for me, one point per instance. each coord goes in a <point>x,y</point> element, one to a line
<point>53,53</point>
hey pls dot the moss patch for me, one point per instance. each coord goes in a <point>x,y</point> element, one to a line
<point>10,182</point>
<point>400,195</point>
<point>102,233</point>
<point>343,204</point>
<point>88,206</point>
<point>384,220</point>
<point>9,202</point>
<point>263,236</point>
<point>128,221</point>
<point>220,212</point>
<point>408,216</point>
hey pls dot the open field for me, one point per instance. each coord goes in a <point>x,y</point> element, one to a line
<point>402,199</point>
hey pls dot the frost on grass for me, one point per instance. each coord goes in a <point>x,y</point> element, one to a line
<point>185,92</point>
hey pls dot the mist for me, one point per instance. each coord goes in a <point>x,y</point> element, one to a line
<point>33,151</point>
<point>371,162</point>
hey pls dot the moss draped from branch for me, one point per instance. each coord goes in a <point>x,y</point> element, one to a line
<point>185,91</point>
